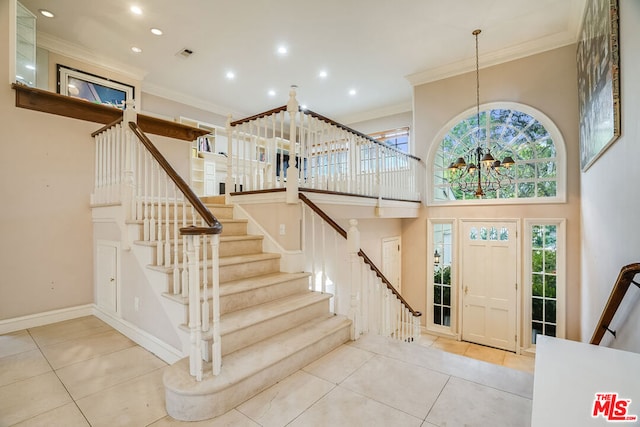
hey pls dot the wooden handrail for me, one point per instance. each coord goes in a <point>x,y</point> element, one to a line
<point>357,133</point>
<point>259,116</point>
<point>373,267</point>
<point>195,201</point>
<point>361,253</point>
<point>625,278</point>
<point>341,231</point>
<point>324,119</point>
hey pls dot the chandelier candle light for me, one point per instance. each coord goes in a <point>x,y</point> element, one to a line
<point>481,172</point>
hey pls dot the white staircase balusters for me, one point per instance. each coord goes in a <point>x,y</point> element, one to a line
<point>372,305</point>
<point>130,171</point>
<point>216,346</point>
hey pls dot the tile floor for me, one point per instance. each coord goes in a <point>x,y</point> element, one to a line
<point>83,373</point>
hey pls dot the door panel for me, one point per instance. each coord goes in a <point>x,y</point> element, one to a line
<point>107,275</point>
<point>391,261</point>
<point>488,283</point>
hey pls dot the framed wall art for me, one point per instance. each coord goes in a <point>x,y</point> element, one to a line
<point>598,80</point>
<point>99,90</point>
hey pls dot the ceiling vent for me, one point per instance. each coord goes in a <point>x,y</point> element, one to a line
<point>184,53</point>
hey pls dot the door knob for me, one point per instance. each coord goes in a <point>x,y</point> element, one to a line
<point>112,279</point>
<point>466,290</point>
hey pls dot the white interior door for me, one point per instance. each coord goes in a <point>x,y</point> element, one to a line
<point>107,277</point>
<point>489,275</point>
<point>391,261</point>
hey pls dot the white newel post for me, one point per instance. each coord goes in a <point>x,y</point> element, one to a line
<point>292,171</point>
<point>353,247</point>
<point>228,183</point>
<point>216,347</point>
<point>195,335</point>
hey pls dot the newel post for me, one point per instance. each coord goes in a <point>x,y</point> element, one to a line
<point>292,170</point>
<point>353,247</point>
<point>127,182</point>
<point>228,182</point>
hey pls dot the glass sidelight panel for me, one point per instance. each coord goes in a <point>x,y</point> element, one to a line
<point>441,301</point>
<point>543,280</point>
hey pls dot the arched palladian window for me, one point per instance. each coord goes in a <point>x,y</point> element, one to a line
<point>515,130</point>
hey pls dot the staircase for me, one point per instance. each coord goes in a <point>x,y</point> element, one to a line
<point>271,326</point>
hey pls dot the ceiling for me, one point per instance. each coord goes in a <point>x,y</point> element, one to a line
<point>379,48</point>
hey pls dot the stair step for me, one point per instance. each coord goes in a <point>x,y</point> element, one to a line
<point>251,370</point>
<point>229,246</point>
<point>245,266</point>
<point>244,293</point>
<point>242,328</point>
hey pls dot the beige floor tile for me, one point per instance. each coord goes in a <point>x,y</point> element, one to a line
<point>486,354</point>
<point>232,418</point>
<point>101,372</point>
<point>339,364</point>
<point>137,402</point>
<point>450,346</point>
<point>426,340</point>
<point>16,342</point>
<point>64,416</point>
<point>68,330</point>
<point>403,386</point>
<point>25,399</point>
<point>21,366</point>
<point>280,404</point>
<point>344,408</point>
<point>79,349</point>
<point>519,362</point>
<point>464,403</point>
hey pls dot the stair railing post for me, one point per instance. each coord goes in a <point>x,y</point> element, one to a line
<point>195,334</point>
<point>292,170</point>
<point>353,247</point>
<point>228,182</point>
<point>216,346</point>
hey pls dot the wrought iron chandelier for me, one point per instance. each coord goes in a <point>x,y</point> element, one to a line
<point>481,172</point>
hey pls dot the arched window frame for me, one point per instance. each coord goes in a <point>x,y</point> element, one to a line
<point>549,125</point>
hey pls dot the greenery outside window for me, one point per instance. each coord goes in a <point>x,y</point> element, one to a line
<point>441,307</point>
<point>545,280</point>
<point>508,129</point>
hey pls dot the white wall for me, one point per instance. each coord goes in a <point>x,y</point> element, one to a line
<point>610,201</point>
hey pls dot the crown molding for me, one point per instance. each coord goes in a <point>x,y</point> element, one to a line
<point>73,51</point>
<point>489,59</point>
<point>377,113</point>
<point>192,101</point>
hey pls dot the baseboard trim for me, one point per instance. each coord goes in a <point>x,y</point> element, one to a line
<point>45,318</point>
<point>144,339</point>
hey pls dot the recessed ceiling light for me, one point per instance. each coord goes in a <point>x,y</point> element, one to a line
<point>323,74</point>
<point>231,75</point>
<point>136,10</point>
<point>352,92</point>
<point>303,106</point>
<point>156,31</point>
<point>45,12</point>
<point>272,92</point>
<point>282,50</point>
<point>136,49</point>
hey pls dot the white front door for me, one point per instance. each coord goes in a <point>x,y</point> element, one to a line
<point>489,275</point>
<point>391,261</point>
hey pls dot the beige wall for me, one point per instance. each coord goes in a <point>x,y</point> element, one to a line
<point>546,82</point>
<point>611,202</point>
<point>46,170</point>
<point>171,110</point>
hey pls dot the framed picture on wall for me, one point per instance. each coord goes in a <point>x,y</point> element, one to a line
<point>99,90</point>
<point>598,80</point>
